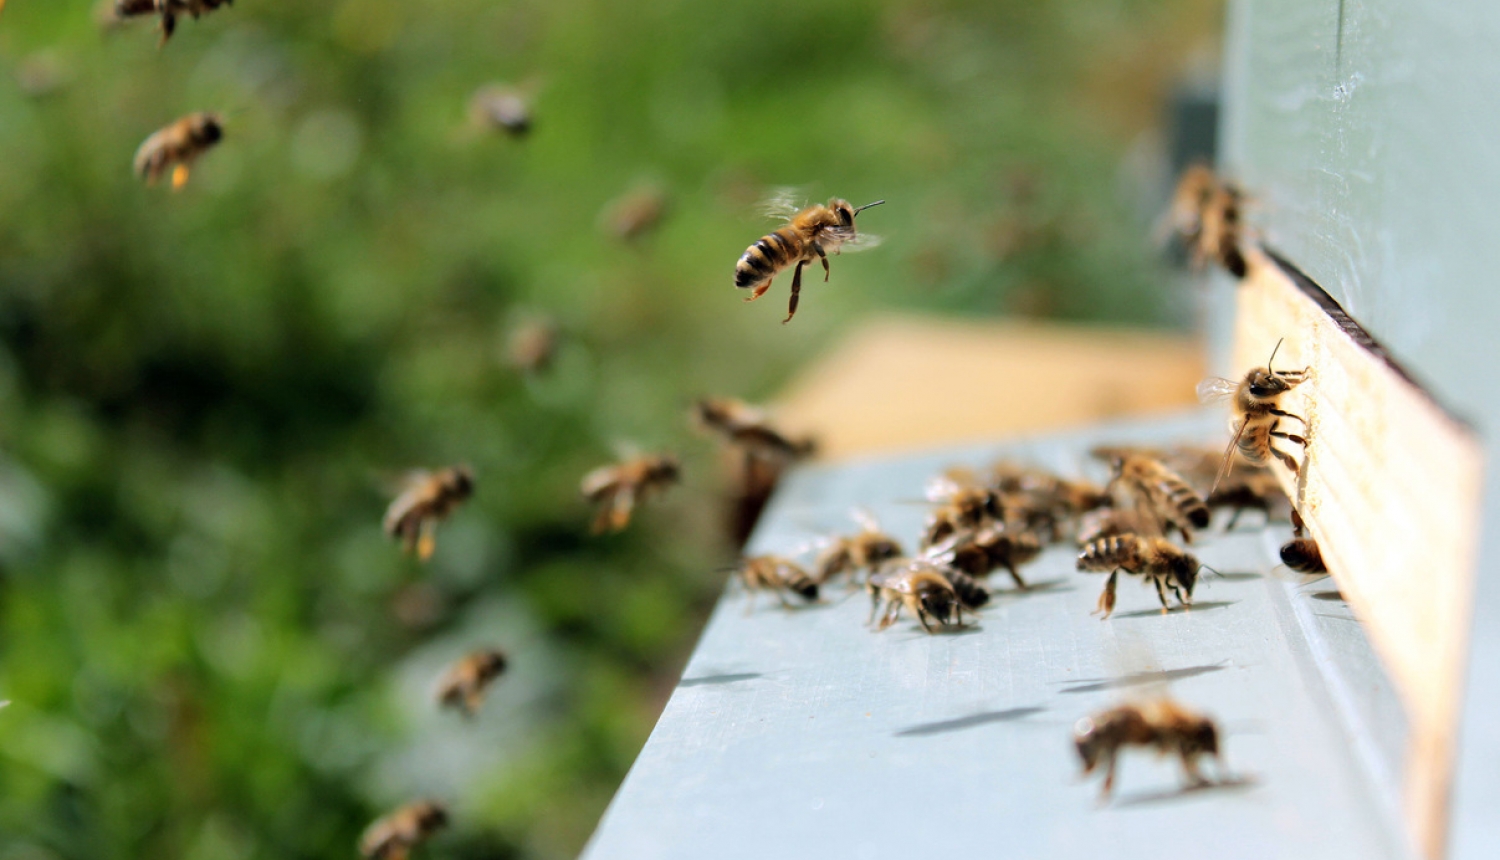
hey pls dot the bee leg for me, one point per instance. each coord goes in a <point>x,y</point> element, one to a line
<point>791,307</point>
<point>874,605</point>
<point>1229,526</point>
<point>760,290</point>
<point>1285,414</point>
<point>1161,593</point>
<point>1107,597</point>
<point>1014,574</point>
<point>824,257</point>
<point>1285,458</point>
<point>1109,778</point>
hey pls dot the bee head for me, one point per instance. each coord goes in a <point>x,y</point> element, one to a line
<point>1184,570</point>
<point>1086,741</point>
<point>1202,738</point>
<point>1263,383</point>
<point>208,128</point>
<point>939,603</point>
<point>461,481</point>
<point>882,549</point>
<point>666,468</point>
<point>430,816</point>
<point>807,588</point>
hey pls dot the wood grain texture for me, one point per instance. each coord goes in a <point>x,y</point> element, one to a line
<point>1390,488</point>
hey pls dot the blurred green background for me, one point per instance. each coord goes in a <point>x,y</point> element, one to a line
<point>210,648</point>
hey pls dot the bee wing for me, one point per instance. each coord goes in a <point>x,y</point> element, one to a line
<point>597,481</point>
<point>1216,388</point>
<point>940,488</point>
<point>860,242</point>
<point>1228,462</point>
<point>865,519</point>
<point>782,204</point>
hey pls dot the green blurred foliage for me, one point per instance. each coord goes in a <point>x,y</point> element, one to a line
<point>211,650</point>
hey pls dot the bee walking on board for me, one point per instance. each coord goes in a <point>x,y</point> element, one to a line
<point>1258,414</point>
<point>777,575</point>
<point>861,551</point>
<point>977,551</point>
<point>1158,559</point>
<point>919,586</point>
<point>1161,725</point>
<point>393,837</point>
<point>617,487</point>
<point>168,10</point>
<point>428,498</point>
<point>811,234</point>
<point>177,146</point>
<point>464,684</point>
<point>1160,494</point>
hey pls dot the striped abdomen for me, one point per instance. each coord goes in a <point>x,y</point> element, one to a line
<point>1106,554</point>
<point>1184,500</point>
<point>772,253</point>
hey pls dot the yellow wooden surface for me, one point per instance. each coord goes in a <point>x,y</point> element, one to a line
<point>1391,491</point>
<point>903,382</point>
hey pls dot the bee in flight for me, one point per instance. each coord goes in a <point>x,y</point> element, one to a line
<point>616,487</point>
<point>1162,725</point>
<point>393,837</point>
<point>167,9</point>
<point>464,684</point>
<point>808,235</point>
<point>429,497</point>
<point>1258,414</point>
<point>500,107</point>
<point>177,146</point>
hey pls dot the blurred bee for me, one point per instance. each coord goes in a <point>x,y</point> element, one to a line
<point>919,586</point>
<point>971,593</point>
<point>809,235</point>
<point>861,551</point>
<point>1258,415</point>
<point>1160,493</point>
<point>1108,522</point>
<point>464,684</point>
<point>616,488</point>
<point>1204,216</point>
<point>1158,559</point>
<point>501,108</point>
<point>978,551</point>
<point>168,10</point>
<point>777,575</point>
<point>1252,488</point>
<point>750,430</point>
<point>962,503</point>
<point>532,345</point>
<point>635,214</point>
<point>428,498</point>
<point>1162,725</point>
<point>393,837</point>
<point>1301,553</point>
<point>177,146</point>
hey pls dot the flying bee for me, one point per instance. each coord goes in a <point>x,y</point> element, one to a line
<point>616,488</point>
<point>1160,493</point>
<point>428,498</point>
<point>168,10</point>
<point>978,551</point>
<point>177,146</point>
<point>464,684</point>
<point>1301,553</point>
<point>962,503</point>
<point>501,108</point>
<point>861,551</point>
<point>634,215</point>
<point>1158,559</point>
<point>809,235</point>
<point>1162,725</point>
<point>1204,216</point>
<point>777,575</point>
<point>1258,414</point>
<point>532,345</point>
<point>919,586</point>
<point>750,430</point>
<point>393,837</point>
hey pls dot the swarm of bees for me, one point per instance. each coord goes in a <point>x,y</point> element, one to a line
<point>810,234</point>
<point>429,497</point>
<point>177,146</point>
<point>615,489</point>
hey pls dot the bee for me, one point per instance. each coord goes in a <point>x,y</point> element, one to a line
<point>809,235</point>
<point>777,575</point>
<point>532,345</point>
<point>393,837</point>
<point>616,488</point>
<point>971,593</point>
<point>1158,559</point>
<point>920,587</point>
<point>501,108</point>
<point>862,551</point>
<point>168,10</point>
<point>429,497</point>
<point>1258,415</point>
<point>978,551</point>
<point>634,215</point>
<point>1162,725</point>
<point>962,503</point>
<point>1250,489</point>
<point>1160,493</point>
<point>1204,215</point>
<point>177,146</point>
<point>1301,553</point>
<point>464,684</point>
<point>750,430</point>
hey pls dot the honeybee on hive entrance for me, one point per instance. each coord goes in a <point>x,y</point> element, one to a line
<point>177,146</point>
<point>1159,493</point>
<point>1160,724</point>
<point>777,575</point>
<point>1301,553</point>
<point>393,837</point>
<point>810,234</point>
<point>464,684</point>
<point>501,108</point>
<point>861,551</point>
<point>1157,559</point>
<point>1258,414</point>
<point>978,551</point>
<point>921,587</point>
<point>168,10</point>
<point>428,498</point>
<point>617,487</point>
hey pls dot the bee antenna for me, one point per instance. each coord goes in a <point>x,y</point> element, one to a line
<point>867,206</point>
<point>1273,355</point>
<point>1210,570</point>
